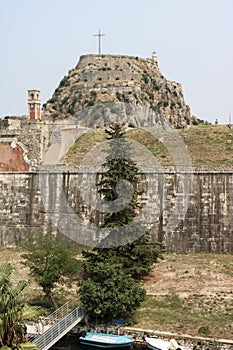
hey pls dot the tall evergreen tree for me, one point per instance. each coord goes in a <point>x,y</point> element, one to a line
<point>120,169</point>
<point>127,246</point>
<point>128,241</point>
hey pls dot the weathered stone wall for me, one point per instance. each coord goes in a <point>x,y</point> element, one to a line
<point>207,224</point>
<point>21,210</point>
<point>29,136</point>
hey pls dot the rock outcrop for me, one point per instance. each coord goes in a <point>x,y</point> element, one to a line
<point>104,88</point>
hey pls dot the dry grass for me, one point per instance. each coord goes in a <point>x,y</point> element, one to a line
<point>190,293</point>
<point>206,144</point>
<point>212,144</point>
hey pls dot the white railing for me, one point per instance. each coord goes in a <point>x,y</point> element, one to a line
<point>65,322</point>
<point>37,328</point>
<point>58,314</point>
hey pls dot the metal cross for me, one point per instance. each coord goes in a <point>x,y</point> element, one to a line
<point>99,39</point>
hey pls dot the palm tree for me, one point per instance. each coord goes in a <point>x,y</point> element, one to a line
<point>12,328</point>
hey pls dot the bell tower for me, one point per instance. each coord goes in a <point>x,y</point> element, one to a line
<point>34,104</point>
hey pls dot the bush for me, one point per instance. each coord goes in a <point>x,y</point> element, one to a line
<point>71,110</point>
<point>65,82</point>
<point>90,103</point>
<point>179,103</point>
<point>118,96</point>
<point>156,87</point>
<point>204,330</point>
<point>93,93</point>
<point>145,78</point>
<point>151,96</point>
<point>160,103</point>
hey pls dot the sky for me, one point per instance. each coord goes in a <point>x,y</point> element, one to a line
<point>42,40</point>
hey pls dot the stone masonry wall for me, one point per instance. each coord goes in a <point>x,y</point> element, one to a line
<point>207,225</point>
<point>30,136</point>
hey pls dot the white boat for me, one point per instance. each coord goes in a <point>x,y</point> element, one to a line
<point>104,340</point>
<point>160,344</point>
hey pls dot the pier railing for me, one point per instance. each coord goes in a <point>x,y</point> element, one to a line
<point>61,321</point>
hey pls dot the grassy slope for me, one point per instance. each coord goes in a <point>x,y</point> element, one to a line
<point>210,145</point>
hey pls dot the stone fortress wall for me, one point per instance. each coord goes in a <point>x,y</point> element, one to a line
<point>206,227</point>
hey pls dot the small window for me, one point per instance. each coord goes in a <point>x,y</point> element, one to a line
<point>117,78</point>
<point>32,96</point>
<point>99,78</point>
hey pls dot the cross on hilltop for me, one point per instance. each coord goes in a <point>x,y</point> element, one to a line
<point>99,40</point>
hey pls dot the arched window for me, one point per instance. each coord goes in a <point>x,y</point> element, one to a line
<point>32,96</point>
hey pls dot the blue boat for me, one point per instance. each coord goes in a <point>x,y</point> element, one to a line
<point>104,340</point>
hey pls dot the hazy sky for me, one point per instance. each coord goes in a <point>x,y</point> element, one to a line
<point>41,40</point>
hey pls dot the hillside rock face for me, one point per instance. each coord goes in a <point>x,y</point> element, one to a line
<point>110,88</point>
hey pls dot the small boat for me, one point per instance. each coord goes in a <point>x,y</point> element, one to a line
<point>104,340</point>
<point>160,344</point>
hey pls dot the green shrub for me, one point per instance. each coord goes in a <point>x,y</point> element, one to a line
<point>65,99</point>
<point>151,96</point>
<point>90,103</point>
<point>179,104</point>
<point>160,103</point>
<point>145,78</point>
<point>65,82</point>
<point>93,93</point>
<point>71,110</point>
<point>204,330</point>
<point>118,96</point>
<point>156,87</point>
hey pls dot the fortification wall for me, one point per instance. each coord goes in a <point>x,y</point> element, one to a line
<point>207,224</point>
<point>29,139</point>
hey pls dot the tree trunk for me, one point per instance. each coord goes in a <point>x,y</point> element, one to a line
<point>51,299</point>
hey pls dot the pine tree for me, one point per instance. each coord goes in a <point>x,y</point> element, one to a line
<point>127,251</point>
<point>127,241</point>
<point>120,169</point>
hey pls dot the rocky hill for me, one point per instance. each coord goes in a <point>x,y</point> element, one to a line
<point>104,88</point>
